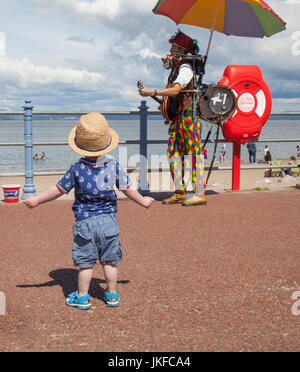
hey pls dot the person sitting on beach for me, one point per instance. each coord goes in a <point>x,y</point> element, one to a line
<point>95,230</point>
<point>266,149</point>
<point>292,160</point>
<point>36,157</point>
<point>298,151</point>
<point>268,158</point>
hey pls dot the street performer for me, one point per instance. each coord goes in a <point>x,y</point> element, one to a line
<point>185,130</point>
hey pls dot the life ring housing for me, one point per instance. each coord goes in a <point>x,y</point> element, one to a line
<point>254,102</point>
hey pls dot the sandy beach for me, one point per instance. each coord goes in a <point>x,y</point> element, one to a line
<point>219,181</point>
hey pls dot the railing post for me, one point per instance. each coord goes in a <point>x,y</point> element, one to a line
<point>236,166</point>
<point>143,182</point>
<point>29,188</point>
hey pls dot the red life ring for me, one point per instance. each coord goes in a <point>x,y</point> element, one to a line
<point>254,102</point>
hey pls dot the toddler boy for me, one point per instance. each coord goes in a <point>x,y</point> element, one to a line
<point>95,230</point>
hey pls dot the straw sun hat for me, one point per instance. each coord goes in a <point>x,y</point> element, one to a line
<point>92,136</point>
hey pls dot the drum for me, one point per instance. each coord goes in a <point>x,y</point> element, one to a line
<point>217,104</point>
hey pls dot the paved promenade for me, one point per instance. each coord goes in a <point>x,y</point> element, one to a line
<point>218,277</point>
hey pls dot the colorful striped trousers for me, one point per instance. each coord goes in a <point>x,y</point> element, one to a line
<point>185,153</point>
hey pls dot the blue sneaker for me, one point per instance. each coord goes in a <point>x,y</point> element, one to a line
<point>111,299</point>
<point>71,296</point>
<point>82,303</point>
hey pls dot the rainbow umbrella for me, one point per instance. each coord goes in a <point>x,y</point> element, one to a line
<point>250,18</point>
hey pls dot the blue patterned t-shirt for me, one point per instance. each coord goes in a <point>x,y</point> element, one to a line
<point>94,186</point>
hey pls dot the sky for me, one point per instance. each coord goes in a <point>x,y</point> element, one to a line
<point>87,55</point>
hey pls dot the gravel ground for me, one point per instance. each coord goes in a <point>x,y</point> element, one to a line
<point>218,277</point>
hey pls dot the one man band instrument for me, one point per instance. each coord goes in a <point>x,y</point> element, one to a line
<point>185,101</point>
<point>215,104</point>
<point>170,106</point>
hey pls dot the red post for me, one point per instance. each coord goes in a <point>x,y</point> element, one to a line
<point>236,166</point>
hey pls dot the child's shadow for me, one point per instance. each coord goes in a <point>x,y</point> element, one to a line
<point>67,279</point>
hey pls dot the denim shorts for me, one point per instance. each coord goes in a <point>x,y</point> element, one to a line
<point>95,238</point>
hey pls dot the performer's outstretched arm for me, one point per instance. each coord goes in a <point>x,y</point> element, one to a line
<point>172,91</point>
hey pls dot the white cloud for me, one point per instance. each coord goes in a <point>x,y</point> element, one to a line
<point>2,44</point>
<point>289,104</point>
<point>23,74</point>
<point>293,2</point>
<point>50,88</point>
<point>78,39</point>
<point>110,13</point>
<point>94,51</point>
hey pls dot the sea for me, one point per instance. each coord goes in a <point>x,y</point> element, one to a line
<point>59,158</point>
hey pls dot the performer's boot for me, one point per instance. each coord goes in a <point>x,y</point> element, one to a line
<point>196,199</point>
<point>176,198</point>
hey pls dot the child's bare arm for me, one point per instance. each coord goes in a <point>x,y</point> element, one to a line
<point>52,194</point>
<point>134,195</point>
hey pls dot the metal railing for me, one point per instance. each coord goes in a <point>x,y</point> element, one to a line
<point>143,113</point>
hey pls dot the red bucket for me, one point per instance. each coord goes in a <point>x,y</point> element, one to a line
<point>11,193</point>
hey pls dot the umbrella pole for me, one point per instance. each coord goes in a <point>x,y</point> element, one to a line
<point>212,31</point>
